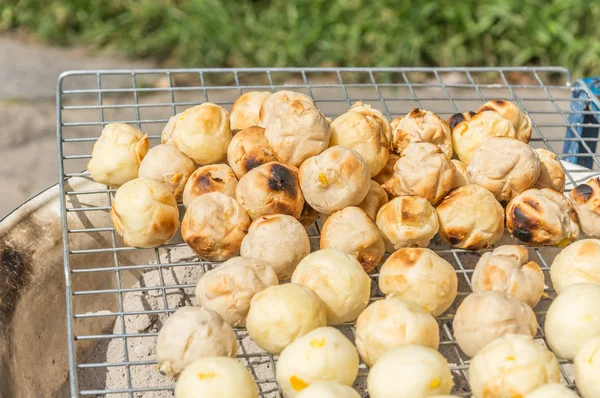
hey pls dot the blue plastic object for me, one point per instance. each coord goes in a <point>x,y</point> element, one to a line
<point>585,109</point>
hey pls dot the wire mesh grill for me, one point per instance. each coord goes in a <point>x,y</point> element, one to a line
<point>117,302</point>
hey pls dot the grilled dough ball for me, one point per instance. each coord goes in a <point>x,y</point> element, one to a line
<point>201,132</point>
<point>270,188</point>
<point>339,280</point>
<point>352,231</point>
<point>421,126</point>
<point>279,239</point>
<point>484,316</point>
<point>249,149</point>
<point>508,269</point>
<point>410,372</point>
<point>376,197</point>
<point>229,288</point>
<point>144,212</point>
<point>587,369</point>
<point>542,217</point>
<point>577,263</point>
<point>461,178</point>
<point>423,170</point>
<point>520,121</point>
<point>407,221</point>
<point>214,226</point>
<point>572,319</point>
<point>216,377</point>
<point>337,178</point>
<point>323,354</point>
<point>391,323</point>
<point>296,131</point>
<point>308,216</point>
<point>469,133</point>
<point>512,366</point>
<point>211,178</point>
<point>190,334</point>
<point>167,164</point>
<point>280,314</point>
<point>552,174</point>
<point>276,99</point>
<point>245,111</point>
<point>376,114</point>
<point>328,389</point>
<point>117,154</point>
<point>504,166</point>
<point>420,275</point>
<point>586,201</point>
<point>386,175</point>
<point>362,133</point>
<point>470,218</point>
<point>552,390</point>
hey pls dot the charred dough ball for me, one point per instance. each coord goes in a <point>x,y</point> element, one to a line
<point>169,165</point>
<point>117,154</point>
<point>420,125</point>
<point>272,188</point>
<point>420,275</point>
<point>275,100</point>
<point>577,263</point>
<point>211,178</point>
<point>461,178</point>
<point>279,239</point>
<point>245,111</point>
<point>352,231</point>
<point>552,174</point>
<point>587,368</point>
<point>144,212</point>
<point>192,333</point>
<point>386,175</point>
<point>337,178</point>
<point>508,269</point>
<point>552,390</point>
<point>228,289</point>
<point>520,121</point>
<point>542,217</point>
<point>471,218</point>
<point>328,389</point>
<point>214,226</point>
<point>376,197</point>
<point>249,149</point>
<point>586,201</point>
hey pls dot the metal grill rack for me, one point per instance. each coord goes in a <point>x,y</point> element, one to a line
<point>102,274</point>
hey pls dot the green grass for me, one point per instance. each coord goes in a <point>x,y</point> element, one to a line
<point>205,33</point>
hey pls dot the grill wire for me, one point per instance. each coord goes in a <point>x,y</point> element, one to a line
<point>88,100</point>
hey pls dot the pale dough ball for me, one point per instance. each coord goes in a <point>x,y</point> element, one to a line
<point>352,231</point>
<point>190,334</point>
<point>552,390</point>
<point>484,316</point>
<point>423,170</point>
<point>572,319</point>
<point>471,218</point>
<point>420,125</point>
<point>249,149</point>
<point>420,275</point>
<point>577,263</point>
<point>323,354</point>
<point>552,174</point>
<point>410,372</point>
<point>542,217</point>
<point>504,166</point>
<point>276,99</point>
<point>376,197</point>
<point>201,132</point>
<point>339,280</point>
<point>228,288</point>
<point>461,178</point>
<point>216,377</point>
<point>117,154</point>
<point>211,178</point>
<point>520,121</point>
<point>587,368</point>
<point>337,178</point>
<point>508,269</point>
<point>363,134</point>
<point>407,221</point>
<point>512,366</point>
<point>378,116</point>
<point>280,314</point>
<point>214,226</point>
<point>279,239</point>
<point>586,201</point>
<point>245,111</point>
<point>144,212</point>
<point>386,176</point>
<point>169,165</point>
<point>391,323</point>
<point>328,389</point>
<point>468,134</point>
<point>270,189</point>
<point>296,131</point>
